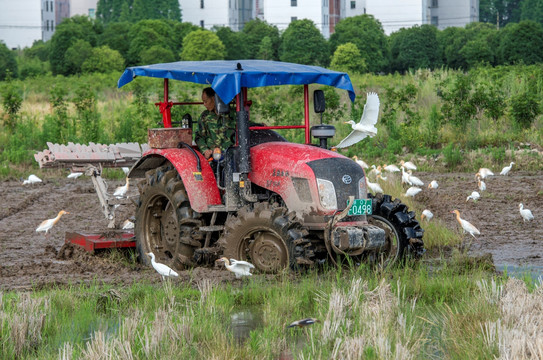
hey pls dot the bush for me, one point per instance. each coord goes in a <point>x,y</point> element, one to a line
<point>103,59</point>
<point>12,100</point>
<point>524,109</point>
<point>453,156</point>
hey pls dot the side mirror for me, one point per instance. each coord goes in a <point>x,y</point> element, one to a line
<point>221,107</point>
<point>318,101</point>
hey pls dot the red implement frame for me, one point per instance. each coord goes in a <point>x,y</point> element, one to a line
<point>93,242</point>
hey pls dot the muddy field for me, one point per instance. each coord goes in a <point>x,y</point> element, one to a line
<point>30,260</point>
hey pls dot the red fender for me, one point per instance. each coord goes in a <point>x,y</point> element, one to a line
<point>201,187</point>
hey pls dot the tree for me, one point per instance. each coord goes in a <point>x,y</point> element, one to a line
<point>157,54</point>
<point>116,37</point>
<point>66,34</point>
<point>103,59</point>
<point>451,40</point>
<point>253,33</point>
<point>147,33</point>
<point>481,44</point>
<point>303,43</point>
<point>76,56</point>
<point>236,46</point>
<point>522,42</point>
<point>532,10</point>
<point>265,51</point>
<point>38,50</point>
<point>8,64</point>
<point>202,45</point>
<point>500,12</point>
<point>367,34</point>
<point>347,58</point>
<point>414,48</point>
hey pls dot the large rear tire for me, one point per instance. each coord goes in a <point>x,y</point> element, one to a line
<point>165,221</point>
<point>403,232</point>
<point>268,237</point>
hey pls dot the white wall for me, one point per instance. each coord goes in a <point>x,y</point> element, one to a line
<point>280,12</point>
<point>20,22</point>
<point>394,14</point>
<point>81,7</point>
<point>214,12</point>
<point>456,12</point>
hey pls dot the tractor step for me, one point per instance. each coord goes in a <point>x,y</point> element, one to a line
<point>109,240</point>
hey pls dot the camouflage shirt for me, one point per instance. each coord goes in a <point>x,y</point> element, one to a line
<point>215,131</point>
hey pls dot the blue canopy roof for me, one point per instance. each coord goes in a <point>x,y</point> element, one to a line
<point>225,78</point>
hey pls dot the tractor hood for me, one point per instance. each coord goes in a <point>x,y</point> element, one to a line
<point>291,170</point>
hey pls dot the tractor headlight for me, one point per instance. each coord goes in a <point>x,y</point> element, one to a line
<point>327,194</point>
<point>361,187</point>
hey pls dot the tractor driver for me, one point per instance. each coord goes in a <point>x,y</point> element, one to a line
<point>214,130</point>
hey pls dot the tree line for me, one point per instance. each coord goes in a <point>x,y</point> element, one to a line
<point>358,45</point>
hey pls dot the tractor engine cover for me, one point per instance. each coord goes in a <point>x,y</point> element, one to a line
<point>349,238</point>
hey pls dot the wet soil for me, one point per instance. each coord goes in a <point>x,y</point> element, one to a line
<point>30,260</point>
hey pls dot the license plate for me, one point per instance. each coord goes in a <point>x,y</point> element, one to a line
<point>360,207</point>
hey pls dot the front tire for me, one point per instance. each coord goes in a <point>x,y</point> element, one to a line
<point>165,222</point>
<point>403,232</point>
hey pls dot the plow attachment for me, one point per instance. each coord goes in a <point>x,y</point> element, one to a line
<point>110,240</point>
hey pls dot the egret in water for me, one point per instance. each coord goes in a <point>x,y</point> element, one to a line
<point>121,190</point>
<point>525,213</point>
<point>163,270</point>
<point>238,267</point>
<point>506,169</point>
<point>474,196</point>
<point>303,322</point>
<point>366,126</point>
<point>32,179</point>
<point>360,162</point>
<point>74,175</point>
<point>408,165</point>
<point>466,226</point>
<point>426,214</point>
<point>46,225</point>
<point>412,191</point>
<point>484,172</point>
<point>433,185</point>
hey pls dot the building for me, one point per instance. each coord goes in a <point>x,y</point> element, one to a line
<point>393,14</point>
<point>83,7</point>
<point>20,23</point>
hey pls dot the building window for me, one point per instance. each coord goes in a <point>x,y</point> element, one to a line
<point>325,19</point>
<point>434,3</point>
<point>353,4</point>
<point>47,27</point>
<point>293,2</point>
<point>202,24</point>
<point>364,10</point>
<point>201,4</point>
<point>52,25</point>
<point>47,6</point>
<point>51,6</point>
<point>435,21</point>
<point>293,18</point>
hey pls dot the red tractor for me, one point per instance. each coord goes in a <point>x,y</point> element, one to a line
<point>274,203</point>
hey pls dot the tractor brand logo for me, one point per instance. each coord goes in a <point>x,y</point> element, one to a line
<point>346,179</point>
<point>279,172</point>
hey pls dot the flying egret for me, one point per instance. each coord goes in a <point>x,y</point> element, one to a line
<point>433,185</point>
<point>391,168</point>
<point>32,179</point>
<point>484,172</point>
<point>238,267</point>
<point>366,125</point>
<point>46,225</point>
<point>126,170</point>
<point>374,187</point>
<point>362,164</point>
<point>128,225</point>
<point>163,270</point>
<point>481,184</point>
<point>408,165</point>
<point>525,213</point>
<point>74,175</point>
<point>303,322</point>
<point>474,196</point>
<point>412,191</point>
<point>466,226</point>
<point>414,180</point>
<point>121,190</point>
<point>506,169</point>
<point>426,214</point>
<point>405,177</point>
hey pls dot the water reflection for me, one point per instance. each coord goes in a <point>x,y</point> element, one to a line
<point>243,322</point>
<point>520,272</point>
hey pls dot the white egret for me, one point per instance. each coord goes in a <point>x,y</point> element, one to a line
<point>303,322</point>
<point>238,267</point>
<point>121,190</point>
<point>46,225</point>
<point>412,191</point>
<point>433,185</point>
<point>362,163</point>
<point>414,180</point>
<point>506,169</point>
<point>408,165</point>
<point>481,184</point>
<point>126,170</point>
<point>474,196</point>
<point>525,213</point>
<point>426,214</point>
<point>380,176</point>
<point>74,175</point>
<point>484,172</point>
<point>163,270</point>
<point>391,168</point>
<point>405,177</point>
<point>366,126</point>
<point>466,226</point>
<point>128,225</point>
<point>32,179</point>
<point>374,187</point>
